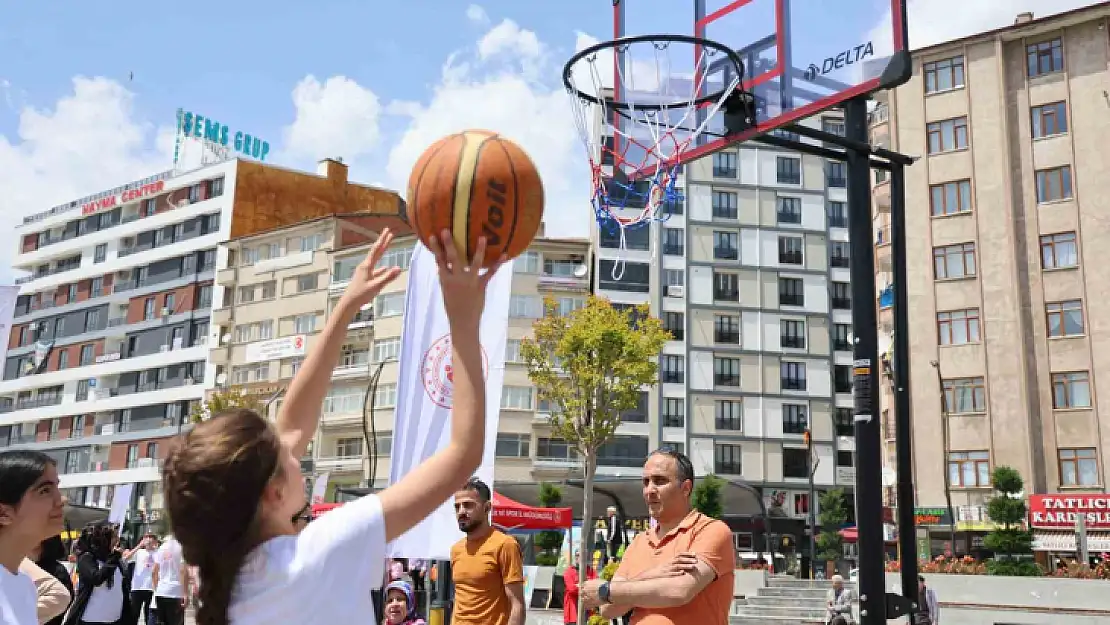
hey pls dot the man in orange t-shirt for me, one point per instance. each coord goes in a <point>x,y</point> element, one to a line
<point>486,566</point>
<point>679,572</point>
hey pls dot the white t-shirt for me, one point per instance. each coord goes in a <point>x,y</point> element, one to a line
<point>322,575</point>
<point>18,599</point>
<point>143,577</point>
<point>169,562</point>
<point>105,604</point>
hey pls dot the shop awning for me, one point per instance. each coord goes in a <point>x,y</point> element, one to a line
<point>1065,541</point>
<point>850,534</point>
<point>507,514</point>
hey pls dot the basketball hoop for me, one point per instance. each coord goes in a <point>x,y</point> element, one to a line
<point>637,126</point>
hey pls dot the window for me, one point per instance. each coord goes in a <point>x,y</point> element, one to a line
<point>132,456</point>
<point>726,286</point>
<point>63,359</point>
<point>792,333</point>
<point>152,450</point>
<point>969,469</point>
<point>204,296</point>
<point>246,294</point>
<point>390,305</point>
<point>673,369</point>
<point>791,292</point>
<point>636,277</point>
<point>843,422</point>
<point>1079,467</point>
<point>269,290</point>
<point>1059,251</point>
<point>400,256</point>
<point>947,135</point>
<point>385,396</point>
<point>92,319</point>
<point>840,254</point>
<point>308,282</point>
<point>790,210</point>
<point>965,395</point>
<point>725,205</point>
<point>349,447</point>
<point>842,379</point>
<point>528,262</point>
<point>564,306</point>
<point>634,239</point>
<point>788,170</point>
<point>724,165</point>
<point>794,420</point>
<point>954,261</point>
<point>148,308</point>
<point>841,295</point>
<point>1049,120</point>
<point>1071,390</point>
<point>1054,184</point>
<point>726,371</point>
<point>838,214</point>
<point>795,462</point>
<point>247,374</point>
<point>792,376</point>
<point>100,253</point>
<point>520,306</point>
<point>944,74</point>
<point>675,323</point>
<point>958,327</point>
<point>728,459</point>
<point>87,354</point>
<point>725,245</point>
<point>312,242</point>
<point>674,412</point>
<point>674,241</point>
<point>728,415</point>
<point>837,175</point>
<point>840,340</point>
<point>517,398</point>
<point>833,127</point>
<point>512,446</point>
<point>1064,318</point>
<point>304,324</point>
<point>726,329</point>
<point>554,449</point>
<point>950,198</point>
<point>1046,57</point>
<point>790,250</point>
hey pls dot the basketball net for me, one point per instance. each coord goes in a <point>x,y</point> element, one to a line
<point>636,155</point>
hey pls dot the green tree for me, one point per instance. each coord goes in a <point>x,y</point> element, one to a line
<point>834,513</point>
<point>707,496</point>
<point>549,542</point>
<point>223,399</point>
<point>591,365</point>
<point>1012,543</point>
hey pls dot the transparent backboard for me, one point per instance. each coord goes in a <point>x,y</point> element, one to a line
<point>800,57</point>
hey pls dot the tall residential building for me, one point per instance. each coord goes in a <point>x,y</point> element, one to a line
<point>306,267</point>
<point>750,275</point>
<point>1006,215</point>
<point>109,345</point>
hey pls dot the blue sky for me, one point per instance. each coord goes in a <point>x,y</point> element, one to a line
<point>88,95</point>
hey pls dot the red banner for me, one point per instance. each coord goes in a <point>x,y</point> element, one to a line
<point>1058,511</point>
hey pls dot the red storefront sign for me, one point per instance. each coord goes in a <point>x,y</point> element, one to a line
<point>129,195</point>
<point>1058,511</point>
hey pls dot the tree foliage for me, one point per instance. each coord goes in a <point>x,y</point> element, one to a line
<point>549,542</point>
<point>834,513</point>
<point>224,399</point>
<point>707,497</point>
<point>1012,543</point>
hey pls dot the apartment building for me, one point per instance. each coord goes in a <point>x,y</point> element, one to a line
<point>111,332</point>
<point>750,275</point>
<point>305,268</point>
<point>1005,212</point>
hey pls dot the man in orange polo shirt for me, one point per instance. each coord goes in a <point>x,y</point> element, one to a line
<point>681,572</point>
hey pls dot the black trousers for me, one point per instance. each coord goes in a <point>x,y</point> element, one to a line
<point>140,602</point>
<point>170,611</point>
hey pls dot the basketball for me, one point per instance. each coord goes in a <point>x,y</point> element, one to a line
<point>476,183</point>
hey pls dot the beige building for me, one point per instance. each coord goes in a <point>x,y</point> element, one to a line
<point>1006,211</point>
<point>279,288</point>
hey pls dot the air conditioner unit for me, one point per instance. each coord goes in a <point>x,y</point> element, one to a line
<point>166,311</point>
<point>676,290</point>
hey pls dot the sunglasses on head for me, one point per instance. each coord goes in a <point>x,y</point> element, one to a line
<point>304,514</point>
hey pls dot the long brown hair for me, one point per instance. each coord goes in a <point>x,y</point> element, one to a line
<point>213,483</point>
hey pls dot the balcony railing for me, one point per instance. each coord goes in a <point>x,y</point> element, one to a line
<point>37,402</point>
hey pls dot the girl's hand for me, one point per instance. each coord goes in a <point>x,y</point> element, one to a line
<point>369,279</point>
<point>464,286</point>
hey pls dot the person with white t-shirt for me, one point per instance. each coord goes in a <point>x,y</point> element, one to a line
<point>31,510</point>
<point>142,579</point>
<point>171,583</point>
<point>233,487</point>
<point>103,596</point>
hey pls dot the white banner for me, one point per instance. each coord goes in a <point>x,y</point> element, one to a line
<point>320,488</point>
<point>7,312</point>
<point>422,421</point>
<point>121,503</point>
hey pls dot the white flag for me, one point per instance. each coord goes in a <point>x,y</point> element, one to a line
<point>422,421</point>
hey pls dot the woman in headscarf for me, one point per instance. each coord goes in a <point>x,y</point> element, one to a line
<point>400,605</point>
<point>103,591</point>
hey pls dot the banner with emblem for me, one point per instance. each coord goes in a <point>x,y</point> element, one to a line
<point>421,424</point>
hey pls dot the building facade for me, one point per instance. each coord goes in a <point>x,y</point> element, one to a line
<point>1005,212</point>
<point>110,341</point>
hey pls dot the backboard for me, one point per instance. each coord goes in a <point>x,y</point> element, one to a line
<point>800,57</point>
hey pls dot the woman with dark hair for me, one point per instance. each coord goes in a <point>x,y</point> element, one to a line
<point>102,592</point>
<point>52,601</point>
<point>234,490</point>
<point>31,510</point>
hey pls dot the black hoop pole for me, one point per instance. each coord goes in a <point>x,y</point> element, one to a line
<point>620,42</point>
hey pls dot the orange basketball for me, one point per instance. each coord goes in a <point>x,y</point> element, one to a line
<point>476,183</point>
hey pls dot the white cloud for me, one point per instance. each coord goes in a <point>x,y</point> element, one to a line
<point>338,117</point>
<point>89,141</point>
<point>477,15</point>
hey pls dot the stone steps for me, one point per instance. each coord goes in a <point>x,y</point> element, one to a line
<point>770,601</point>
<point>782,611</point>
<point>785,601</point>
<point>773,620</point>
<point>795,593</point>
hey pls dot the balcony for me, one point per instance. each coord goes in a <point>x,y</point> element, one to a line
<point>113,367</point>
<point>363,320</point>
<point>37,402</point>
<point>548,282</point>
<point>726,336</point>
<point>105,477</point>
<point>351,371</point>
<point>339,463</point>
<point>880,196</point>
<point>726,253</point>
<point>109,400</point>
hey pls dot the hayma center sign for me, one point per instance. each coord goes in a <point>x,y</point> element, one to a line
<point>195,126</point>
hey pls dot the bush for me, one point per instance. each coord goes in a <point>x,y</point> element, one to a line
<point>547,559</point>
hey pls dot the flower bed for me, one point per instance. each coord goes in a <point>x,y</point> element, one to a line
<point>948,564</point>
